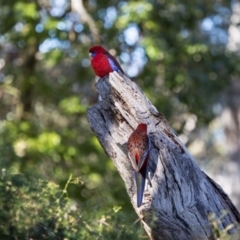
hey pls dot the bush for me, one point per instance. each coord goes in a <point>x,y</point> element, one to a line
<point>36,209</point>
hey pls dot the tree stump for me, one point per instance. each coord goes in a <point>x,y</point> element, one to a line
<point>182,203</point>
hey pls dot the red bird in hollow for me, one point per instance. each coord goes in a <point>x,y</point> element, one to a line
<point>138,152</point>
<point>103,62</point>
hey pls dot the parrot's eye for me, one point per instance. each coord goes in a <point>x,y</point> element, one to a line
<point>92,54</point>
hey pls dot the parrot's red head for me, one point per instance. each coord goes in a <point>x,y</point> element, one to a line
<point>142,127</point>
<point>93,51</point>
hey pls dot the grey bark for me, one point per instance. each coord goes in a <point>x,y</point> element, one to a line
<point>183,203</point>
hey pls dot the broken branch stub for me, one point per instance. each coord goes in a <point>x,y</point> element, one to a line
<point>183,203</point>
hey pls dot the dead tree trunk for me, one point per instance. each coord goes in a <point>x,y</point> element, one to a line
<point>183,202</point>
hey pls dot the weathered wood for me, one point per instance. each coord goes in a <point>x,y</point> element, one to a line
<point>182,199</point>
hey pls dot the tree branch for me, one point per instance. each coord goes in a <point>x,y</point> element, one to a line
<point>77,6</point>
<point>182,197</point>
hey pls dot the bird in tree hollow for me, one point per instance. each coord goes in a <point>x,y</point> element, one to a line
<point>103,62</point>
<point>139,152</point>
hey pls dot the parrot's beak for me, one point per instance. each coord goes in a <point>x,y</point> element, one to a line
<point>90,55</point>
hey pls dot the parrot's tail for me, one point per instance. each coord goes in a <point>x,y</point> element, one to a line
<point>140,182</point>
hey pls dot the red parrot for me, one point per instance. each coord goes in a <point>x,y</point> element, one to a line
<point>138,152</point>
<point>103,62</point>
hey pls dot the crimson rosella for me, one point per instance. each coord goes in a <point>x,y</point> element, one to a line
<point>103,62</point>
<point>138,152</point>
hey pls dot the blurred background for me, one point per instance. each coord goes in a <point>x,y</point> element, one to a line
<point>183,54</point>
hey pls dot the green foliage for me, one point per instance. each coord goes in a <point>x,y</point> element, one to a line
<point>71,105</point>
<point>26,10</point>
<point>35,209</point>
<point>222,235</point>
